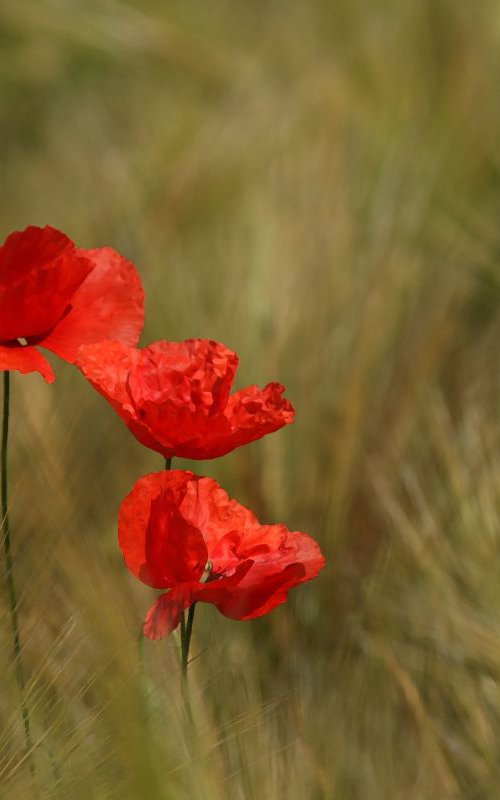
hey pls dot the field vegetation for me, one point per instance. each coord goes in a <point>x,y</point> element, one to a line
<point>317,185</point>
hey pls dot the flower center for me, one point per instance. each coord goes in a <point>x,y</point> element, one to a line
<point>207,572</point>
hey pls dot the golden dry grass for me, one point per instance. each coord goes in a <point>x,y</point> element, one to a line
<point>316,184</point>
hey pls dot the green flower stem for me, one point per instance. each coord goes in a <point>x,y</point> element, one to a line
<point>186,626</point>
<point>11,586</point>
<point>186,639</point>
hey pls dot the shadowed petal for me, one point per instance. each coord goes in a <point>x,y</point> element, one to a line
<point>159,545</point>
<point>25,359</point>
<point>165,614</point>
<point>40,271</point>
<point>175,551</point>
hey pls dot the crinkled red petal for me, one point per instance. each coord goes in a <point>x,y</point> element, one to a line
<point>187,432</point>
<point>175,398</point>
<point>180,390</point>
<point>109,305</point>
<point>25,359</point>
<point>40,271</point>
<point>254,412</point>
<point>197,373</point>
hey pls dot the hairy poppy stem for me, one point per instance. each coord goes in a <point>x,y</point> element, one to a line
<point>11,586</point>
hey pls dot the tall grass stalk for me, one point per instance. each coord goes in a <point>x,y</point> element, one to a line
<point>11,586</point>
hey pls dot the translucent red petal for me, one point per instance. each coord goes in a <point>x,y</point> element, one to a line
<point>109,305</point>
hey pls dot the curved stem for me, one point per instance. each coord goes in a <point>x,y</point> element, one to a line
<point>11,586</point>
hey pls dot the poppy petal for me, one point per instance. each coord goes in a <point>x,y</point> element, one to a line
<point>297,558</point>
<point>254,412</point>
<point>222,520</point>
<point>159,545</point>
<point>255,597</point>
<point>196,372</point>
<point>181,531</point>
<point>175,550</point>
<point>108,305</point>
<point>179,402</point>
<point>179,390</point>
<point>165,614</point>
<point>40,272</point>
<point>25,359</point>
<point>106,366</point>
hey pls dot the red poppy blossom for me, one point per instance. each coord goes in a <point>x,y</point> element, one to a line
<point>59,297</point>
<point>182,532</point>
<point>175,396</point>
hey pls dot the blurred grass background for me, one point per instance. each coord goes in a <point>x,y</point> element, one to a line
<point>317,185</point>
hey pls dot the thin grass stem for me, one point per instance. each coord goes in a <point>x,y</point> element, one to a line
<point>11,586</point>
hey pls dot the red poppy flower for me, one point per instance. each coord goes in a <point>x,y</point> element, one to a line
<point>57,296</point>
<point>175,396</point>
<point>181,532</point>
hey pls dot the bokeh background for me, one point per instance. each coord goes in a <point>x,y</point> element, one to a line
<point>317,185</point>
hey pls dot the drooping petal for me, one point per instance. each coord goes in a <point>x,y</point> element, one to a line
<point>109,305</point>
<point>25,359</point>
<point>40,271</point>
<point>165,614</point>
